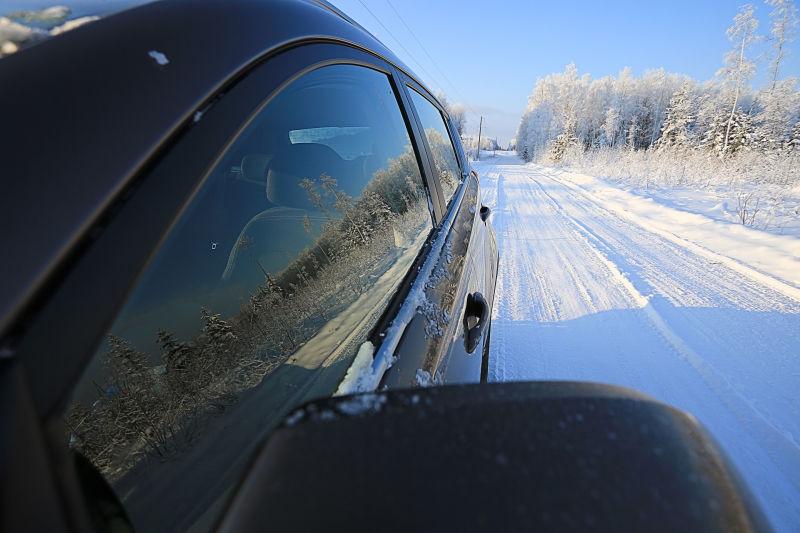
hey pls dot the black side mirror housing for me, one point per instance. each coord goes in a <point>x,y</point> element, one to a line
<point>540,456</point>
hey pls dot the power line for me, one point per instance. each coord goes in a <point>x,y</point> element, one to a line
<point>400,43</point>
<point>436,65</point>
<point>410,55</point>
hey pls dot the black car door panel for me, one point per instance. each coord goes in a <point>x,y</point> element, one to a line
<point>432,349</point>
<point>289,228</point>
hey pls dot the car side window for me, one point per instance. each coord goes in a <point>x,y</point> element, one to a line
<point>444,155</point>
<point>258,299</point>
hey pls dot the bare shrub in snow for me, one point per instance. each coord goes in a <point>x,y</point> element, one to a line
<point>747,207</point>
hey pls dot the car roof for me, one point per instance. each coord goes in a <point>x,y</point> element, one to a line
<point>83,113</point>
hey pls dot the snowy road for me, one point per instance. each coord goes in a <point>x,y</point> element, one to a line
<point>585,293</point>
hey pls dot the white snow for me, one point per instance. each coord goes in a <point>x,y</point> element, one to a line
<point>773,254</point>
<point>423,378</point>
<point>599,284</point>
<point>364,375</point>
<point>72,24</point>
<point>360,377</point>
<point>361,404</point>
<point>295,417</point>
<point>158,57</point>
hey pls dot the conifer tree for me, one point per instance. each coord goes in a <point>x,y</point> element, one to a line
<point>778,106</point>
<point>178,365</point>
<point>679,117</point>
<point>564,141</point>
<point>794,141</point>
<point>219,342</point>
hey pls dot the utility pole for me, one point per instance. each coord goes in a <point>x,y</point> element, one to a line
<point>478,152</point>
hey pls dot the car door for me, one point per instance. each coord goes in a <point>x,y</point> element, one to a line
<point>256,263</point>
<point>445,340</point>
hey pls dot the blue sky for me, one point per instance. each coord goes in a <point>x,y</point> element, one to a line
<point>493,57</point>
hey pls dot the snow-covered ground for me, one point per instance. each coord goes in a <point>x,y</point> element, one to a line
<point>778,212</point>
<point>599,284</point>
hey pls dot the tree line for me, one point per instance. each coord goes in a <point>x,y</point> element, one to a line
<point>660,110</point>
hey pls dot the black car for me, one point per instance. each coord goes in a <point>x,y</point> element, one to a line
<point>212,213</point>
<point>241,240</point>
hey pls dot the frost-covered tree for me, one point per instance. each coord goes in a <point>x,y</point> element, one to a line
<point>605,112</point>
<point>738,69</point>
<point>456,111</point>
<point>657,107</point>
<point>632,133</point>
<point>565,140</point>
<point>740,135</point>
<point>459,116</point>
<point>778,109</point>
<point>715,128</point>
<point>679,116</point>
<point>794,141</point>
<point>662,110</point>
<point>611,126</point>
<point>783,32</point>
<point>180,368</point>
<point>219,348</point>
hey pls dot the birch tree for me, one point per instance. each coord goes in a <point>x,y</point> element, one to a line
<point>456,111</point>
<point>784,30</point>
<point>738,69</point>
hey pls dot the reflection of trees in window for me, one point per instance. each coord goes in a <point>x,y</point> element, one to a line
<point>158,410</point>
<point>445,161</point>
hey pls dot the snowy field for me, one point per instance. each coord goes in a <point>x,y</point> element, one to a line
<point>599,284</point>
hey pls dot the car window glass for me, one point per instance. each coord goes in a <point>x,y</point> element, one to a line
<point>348,142</point>
<point>444,155</point>
<point>259,298</point>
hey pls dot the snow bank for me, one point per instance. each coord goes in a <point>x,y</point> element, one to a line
<point>773,259</point>
<point>361,376</point>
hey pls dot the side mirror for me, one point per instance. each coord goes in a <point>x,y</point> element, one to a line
<point>492,457</point>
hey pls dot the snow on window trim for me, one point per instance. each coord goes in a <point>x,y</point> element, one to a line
<point>365,375</point>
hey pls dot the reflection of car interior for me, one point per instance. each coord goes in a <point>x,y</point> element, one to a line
<point>277,231</point>
<point>250,219</point>
<point>268,235</point>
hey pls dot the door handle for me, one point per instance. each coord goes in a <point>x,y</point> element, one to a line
<point>485,212</point>
<point>475,317</point>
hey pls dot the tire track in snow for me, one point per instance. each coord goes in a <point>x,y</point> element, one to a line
<point>686,281</point>
<point>654,250</point>
<point>739,406</point>
<point>598,297</point>
<point>763,279</point>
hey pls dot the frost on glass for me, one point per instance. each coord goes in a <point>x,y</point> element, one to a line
<point>203,360</point>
